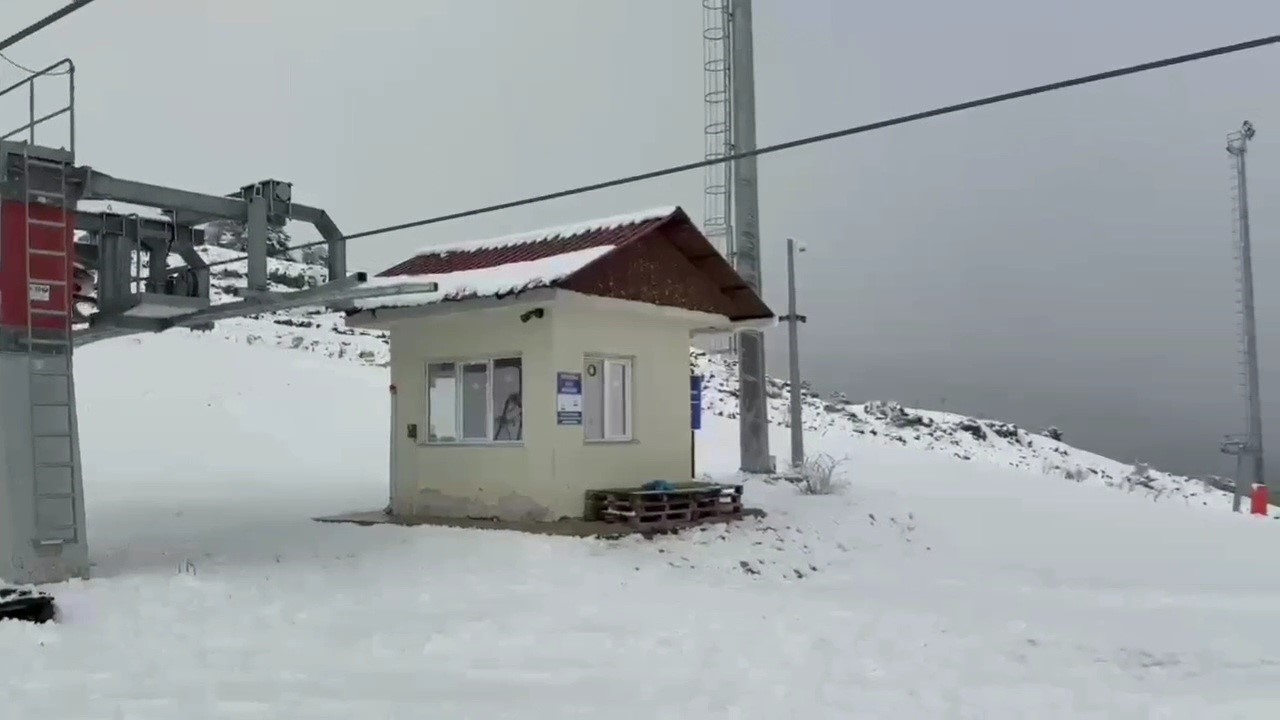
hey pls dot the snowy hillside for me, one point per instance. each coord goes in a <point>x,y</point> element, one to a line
<point>959,436</point>
<point>931,587</point>
<point>966,438</point>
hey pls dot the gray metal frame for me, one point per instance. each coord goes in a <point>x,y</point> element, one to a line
<point>42,524</point>
<point>256,205</point>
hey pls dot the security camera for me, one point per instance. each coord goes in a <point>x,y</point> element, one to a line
<point>530,314</point>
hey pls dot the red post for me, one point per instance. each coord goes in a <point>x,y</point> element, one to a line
<point>1261,500</point>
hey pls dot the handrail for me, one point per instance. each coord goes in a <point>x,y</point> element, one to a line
<point>61,67</point>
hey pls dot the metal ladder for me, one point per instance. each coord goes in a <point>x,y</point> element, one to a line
<point>49,368</point>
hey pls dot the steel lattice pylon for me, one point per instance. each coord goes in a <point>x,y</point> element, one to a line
<point>1250,469</point>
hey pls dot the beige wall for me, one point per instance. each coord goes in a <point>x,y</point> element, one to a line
<point>660,445</point>
<point>545,477</point>
<point>463,480</point>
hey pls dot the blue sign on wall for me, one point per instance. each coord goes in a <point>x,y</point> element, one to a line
<point>695,401</point>
<point>568,398</point>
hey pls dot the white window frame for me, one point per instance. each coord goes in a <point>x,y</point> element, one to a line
<point>609,365</point>
<point>459,404</point>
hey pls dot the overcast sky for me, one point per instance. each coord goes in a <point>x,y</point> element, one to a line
<point>1062,260</point>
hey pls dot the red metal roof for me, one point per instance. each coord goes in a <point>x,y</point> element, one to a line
<point>658,257</point>
<point>448,260</point>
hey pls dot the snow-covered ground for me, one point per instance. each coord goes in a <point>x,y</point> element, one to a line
<point>958,575</point>
<point>965,438</point>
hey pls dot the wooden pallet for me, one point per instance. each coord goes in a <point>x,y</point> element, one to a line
<point>665,510</point>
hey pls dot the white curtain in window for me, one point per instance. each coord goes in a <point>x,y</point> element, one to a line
<point>617,382</point>
<point>442,402</point>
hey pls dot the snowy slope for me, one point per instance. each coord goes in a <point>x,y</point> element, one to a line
<point>958,436</point>
<point>966,438</point>
<point>933,587</point>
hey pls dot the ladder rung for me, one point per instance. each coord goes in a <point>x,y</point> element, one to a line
<point>51,435</point>
<point>42,311</point>
<point>47,223</point>
<point>42,281</point>
<point>46,194</point>
<point>54,465</point>
<point>51,374</point>
<point>58,541</point>
<point>48,253</point>
<point>55,496</point>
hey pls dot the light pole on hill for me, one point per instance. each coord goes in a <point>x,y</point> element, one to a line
<point>793,320</point>
<point>1250,472</point>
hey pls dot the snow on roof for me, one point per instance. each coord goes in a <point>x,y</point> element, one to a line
<point>552,233</point>
<point>483,282</point>
<point>121,208</point>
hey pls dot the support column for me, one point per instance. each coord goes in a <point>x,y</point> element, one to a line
<point>256,242</point>
<point>753,403</point>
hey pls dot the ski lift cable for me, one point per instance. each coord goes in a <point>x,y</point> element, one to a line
<point>809,140</point>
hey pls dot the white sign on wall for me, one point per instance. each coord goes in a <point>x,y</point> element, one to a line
<point>568,398</point>
<point>38,292</point>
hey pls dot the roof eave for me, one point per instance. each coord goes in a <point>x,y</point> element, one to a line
<point>734,326</point>
<point>382,318</point>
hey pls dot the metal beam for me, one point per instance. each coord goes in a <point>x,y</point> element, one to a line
<point>185,246</point>
<point>255,244</point>
<point>349,288</point>
<point>193,208</point>
<point>113,223</point>
<point>328,229</point>
<point>100,186</point>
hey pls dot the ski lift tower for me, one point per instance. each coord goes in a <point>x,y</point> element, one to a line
<point>717,130</point>
<point>1247,448</point>
<point>43,273</point>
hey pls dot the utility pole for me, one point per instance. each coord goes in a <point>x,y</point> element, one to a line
<point>793,320</point>
<point>753,405</point>
<point>1250,470</point>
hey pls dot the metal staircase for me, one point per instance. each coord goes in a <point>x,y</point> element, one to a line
<point>48,276</point>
